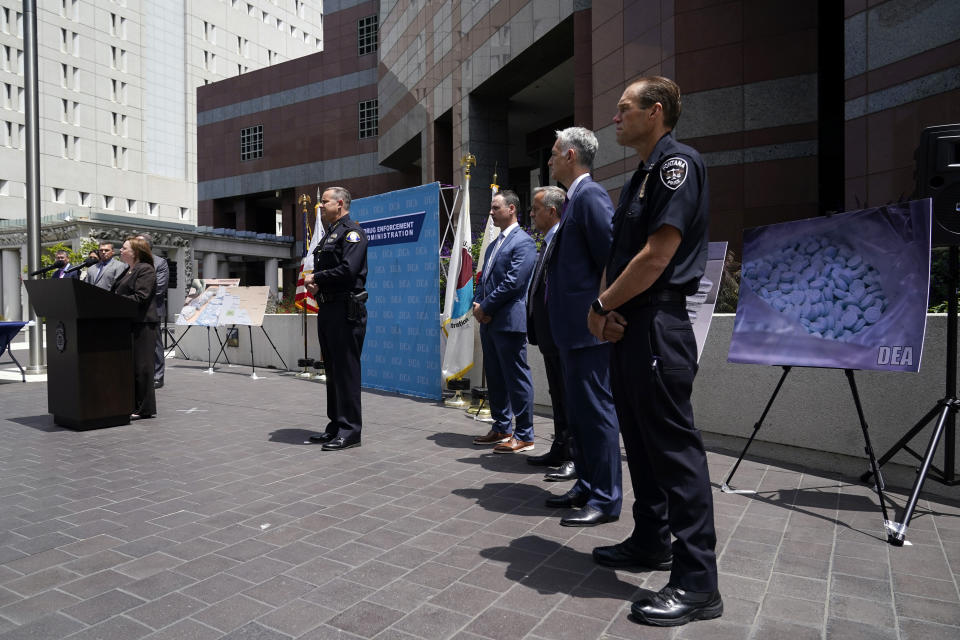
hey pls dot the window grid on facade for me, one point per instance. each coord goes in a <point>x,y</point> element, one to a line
<point>251,143</point>
<point>367,34</point>
<point>369,116</point>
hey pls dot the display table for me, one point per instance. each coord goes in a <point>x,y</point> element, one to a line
<point>8,331</point>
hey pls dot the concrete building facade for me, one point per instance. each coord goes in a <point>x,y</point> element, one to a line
<point>117,100</point>
<point>798,107</point>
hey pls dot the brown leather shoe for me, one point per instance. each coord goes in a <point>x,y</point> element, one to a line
<point>513,446</point>
<point>492,437</point>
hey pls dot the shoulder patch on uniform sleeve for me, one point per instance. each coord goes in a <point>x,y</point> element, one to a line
<point>673,172</point>
<point>352,236</point>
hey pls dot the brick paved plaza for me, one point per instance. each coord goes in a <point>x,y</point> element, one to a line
<point>215,520</point>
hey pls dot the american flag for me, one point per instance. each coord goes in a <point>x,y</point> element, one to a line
<point>302,299</point>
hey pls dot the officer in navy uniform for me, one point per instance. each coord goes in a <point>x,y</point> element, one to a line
<point>658,256</point>
<point>337,282</point>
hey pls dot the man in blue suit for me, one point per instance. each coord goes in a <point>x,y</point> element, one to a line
<point>62,258</point>
<point>500,308</point>
<point>583,242</point>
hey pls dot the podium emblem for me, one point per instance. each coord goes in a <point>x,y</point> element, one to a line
<point>61,337</point>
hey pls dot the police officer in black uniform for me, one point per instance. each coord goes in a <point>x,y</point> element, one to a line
<point>658,256</point>
<point>338,281</point>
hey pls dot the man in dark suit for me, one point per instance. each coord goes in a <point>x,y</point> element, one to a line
<point>163,280</point>
<point>63,259</point>
<point>547,202</point>
<point>500,308</point>
<point>573,276</point>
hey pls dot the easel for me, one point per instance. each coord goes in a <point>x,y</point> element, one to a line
<point>878,486</point>
<point>223,346</point>
<point>169,336</point>
<point>253,364</point>
<point>167,350</point>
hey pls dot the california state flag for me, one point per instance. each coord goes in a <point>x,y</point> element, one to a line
<point>457,316</point>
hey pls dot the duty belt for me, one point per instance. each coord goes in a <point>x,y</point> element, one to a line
<point>324,298</point>
<point>653,297</point>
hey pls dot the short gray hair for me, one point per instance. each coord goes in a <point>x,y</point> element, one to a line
<point>552,197</point>
<point>581,140</point>
<point>146,237</point>
<point>340,193</point>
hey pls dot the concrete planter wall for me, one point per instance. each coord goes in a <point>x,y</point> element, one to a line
<point>813,422</point>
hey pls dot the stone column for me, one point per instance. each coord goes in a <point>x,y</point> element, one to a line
<point>223,270</point>
<point>270,275</point>
<point>11,308</point>
<point>209,266</point>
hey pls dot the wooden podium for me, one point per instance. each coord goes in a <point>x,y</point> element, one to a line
<point>89,352</point>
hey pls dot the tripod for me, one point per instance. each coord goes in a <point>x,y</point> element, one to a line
<point>868,447</point>
<point>945,410</point>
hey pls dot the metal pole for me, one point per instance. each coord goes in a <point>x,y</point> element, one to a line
<point>37,360</point>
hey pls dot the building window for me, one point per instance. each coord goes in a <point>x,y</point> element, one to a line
<point>108,202</point>
<point>367,34</point>
<point>251,143</point>
<point>131,206</point>
<point>57,195</point>
<point>83,199</point>
<point>368,119</point>
<point>153,209</point>
<point>184,213</point>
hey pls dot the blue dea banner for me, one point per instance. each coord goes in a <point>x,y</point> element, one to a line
<point>402,349</point>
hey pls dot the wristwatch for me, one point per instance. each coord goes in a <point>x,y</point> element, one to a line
<point>598,309</point>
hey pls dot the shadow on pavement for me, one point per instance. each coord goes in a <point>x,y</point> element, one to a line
<point>291,436</point>
<point>40,423</point>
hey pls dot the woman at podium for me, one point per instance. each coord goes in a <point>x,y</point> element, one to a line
<point>139,283</point>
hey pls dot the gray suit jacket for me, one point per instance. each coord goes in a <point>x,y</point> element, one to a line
<point>104,275</point>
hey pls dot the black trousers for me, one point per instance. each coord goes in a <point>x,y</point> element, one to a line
<point>562,439</point>
<point>160,361</point>
<point>652,369</point>
<point>144,343</point>
<point>341,341</point>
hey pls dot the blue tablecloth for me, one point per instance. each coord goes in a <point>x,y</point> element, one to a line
<point>8,331</point>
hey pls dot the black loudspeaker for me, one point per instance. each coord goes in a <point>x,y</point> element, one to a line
<point>938,177</point>
<point>172,283</point>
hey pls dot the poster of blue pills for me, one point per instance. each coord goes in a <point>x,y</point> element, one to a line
<point>847,291</point>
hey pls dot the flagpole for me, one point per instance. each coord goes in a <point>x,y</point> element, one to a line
<point>306,361</point>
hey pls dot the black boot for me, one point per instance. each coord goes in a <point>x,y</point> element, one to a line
<point>552,458</point>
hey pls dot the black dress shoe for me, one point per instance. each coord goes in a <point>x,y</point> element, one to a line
<point>672,606</point>
<point>622,556</point>
<point>567,471</point>
<point>158,383</point>
<point>341,443</point>
<point>587,517</point>
<point>551,458</point>
<point>322,437</point>
<point>572,499</point>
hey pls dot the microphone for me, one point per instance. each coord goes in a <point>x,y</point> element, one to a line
<point>89,262</point>
<point>55,265</point>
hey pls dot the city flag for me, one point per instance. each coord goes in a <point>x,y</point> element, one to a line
<point>457,317</point>
<point>304,300</point>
